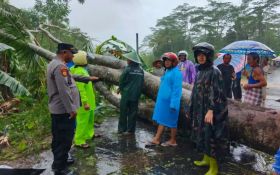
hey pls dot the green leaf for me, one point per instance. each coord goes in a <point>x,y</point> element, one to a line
<point>4,47</point>
<point>22,145</point>
<point>30,125</point>
<point>16,87</point>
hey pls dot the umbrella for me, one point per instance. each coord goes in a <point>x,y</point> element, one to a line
<point>246,46</point>
<point>237,61</point>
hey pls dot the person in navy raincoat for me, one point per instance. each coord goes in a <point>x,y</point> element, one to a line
<point>167,106</point>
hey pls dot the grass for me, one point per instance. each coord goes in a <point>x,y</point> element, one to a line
<point>28,131</point>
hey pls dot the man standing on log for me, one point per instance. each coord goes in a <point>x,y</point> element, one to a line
<point>256,81</point>
<point>130,87</point>
<point>64,100</point>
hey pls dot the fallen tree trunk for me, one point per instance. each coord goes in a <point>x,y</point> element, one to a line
<point>254,126</point>
<point>101,88</point>
<point>151,83</point>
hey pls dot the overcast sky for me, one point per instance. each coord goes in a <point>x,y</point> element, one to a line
<point>122,18</point>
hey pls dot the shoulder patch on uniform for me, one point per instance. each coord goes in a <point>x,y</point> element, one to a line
<point>64,71</point>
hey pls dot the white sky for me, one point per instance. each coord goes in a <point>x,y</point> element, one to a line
<point>123,18</point>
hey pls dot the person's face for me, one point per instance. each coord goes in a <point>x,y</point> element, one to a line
<point>250,60</point>
<point>182,58</point>
<point>158,65</point>
<point>201,58</point>
<point>168,63</point>
<point>68,56</point>
<point>227,59</point>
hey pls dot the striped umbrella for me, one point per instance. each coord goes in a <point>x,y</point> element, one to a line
<point>247,46</point>
<point>237,61</point>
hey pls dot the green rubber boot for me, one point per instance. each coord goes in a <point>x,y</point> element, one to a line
<point>204,162</point>
<point>213,170</point>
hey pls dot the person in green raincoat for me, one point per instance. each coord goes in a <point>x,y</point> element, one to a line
<point>130,87</point>
<point>85,114</point>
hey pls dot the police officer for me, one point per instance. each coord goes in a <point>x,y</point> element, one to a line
<point>130,87</point>
<point>64,100</point>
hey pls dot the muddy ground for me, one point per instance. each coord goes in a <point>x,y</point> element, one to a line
<point>126,155</point>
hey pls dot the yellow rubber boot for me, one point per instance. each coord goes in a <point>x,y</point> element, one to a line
<point>213,170</point>
<point>204,162</point>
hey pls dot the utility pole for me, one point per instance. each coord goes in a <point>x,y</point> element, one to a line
<point>137,43</point>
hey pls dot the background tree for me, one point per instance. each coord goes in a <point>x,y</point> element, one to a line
<point>219,23</point>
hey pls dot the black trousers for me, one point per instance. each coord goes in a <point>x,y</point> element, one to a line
<point>236,89</point>
<point>228,90</point>
<point>63,133</point>
<point>128,115</point>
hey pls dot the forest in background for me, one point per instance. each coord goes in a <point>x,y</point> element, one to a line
<point>218,23</point>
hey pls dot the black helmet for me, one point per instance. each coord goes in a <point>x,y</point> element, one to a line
<point>206,48</point>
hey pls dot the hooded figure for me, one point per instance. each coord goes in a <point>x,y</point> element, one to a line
<point>186,67</point>
<point>167,105</point>
<point>130,87</point>
<point>208,109</point>
<point>85,115</point>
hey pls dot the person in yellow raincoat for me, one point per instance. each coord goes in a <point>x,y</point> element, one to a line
<point>85,114</point>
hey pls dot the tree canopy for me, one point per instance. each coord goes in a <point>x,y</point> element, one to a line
<point>219,23</point>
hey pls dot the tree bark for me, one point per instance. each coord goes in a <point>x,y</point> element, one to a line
<point>108,61</point>
<point>151,82</point>
<point>102,89</point>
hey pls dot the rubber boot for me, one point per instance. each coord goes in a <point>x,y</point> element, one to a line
<point>204,162</point>
<point>213,170</point>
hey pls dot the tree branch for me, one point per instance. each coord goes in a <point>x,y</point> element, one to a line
<point>57,27</point>
<point>102,89</point>
<point>42,52</point>
<point>32,38</point>
<point>54,39</point>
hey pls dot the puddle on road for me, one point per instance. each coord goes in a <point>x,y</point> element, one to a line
<point>127,155</point>
<point>123,155</point>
